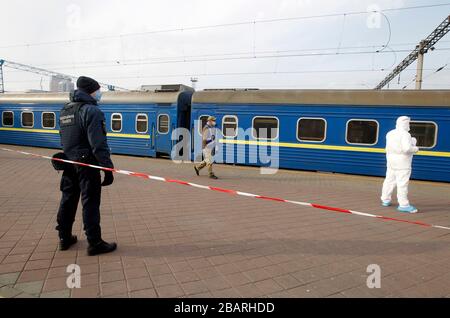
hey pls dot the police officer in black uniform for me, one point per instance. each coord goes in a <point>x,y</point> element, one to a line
<point>83,138</point>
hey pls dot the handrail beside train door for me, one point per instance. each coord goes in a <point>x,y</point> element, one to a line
<point>153,136</point>
<point>172,140</point>
<point>192,138</point>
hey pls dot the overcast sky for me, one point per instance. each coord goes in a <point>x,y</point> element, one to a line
<point>115,42</point>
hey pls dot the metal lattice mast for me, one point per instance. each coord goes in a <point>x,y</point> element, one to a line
<point>419,53</point>
<point>41,71</point>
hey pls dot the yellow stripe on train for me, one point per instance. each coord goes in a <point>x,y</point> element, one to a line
<point>45,131</point>
<point>54,131</point>
<point>253,143</point>
<point>128,136</point>
<point>324,147</point>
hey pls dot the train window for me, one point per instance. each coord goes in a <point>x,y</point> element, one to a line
<point>311,129</point>
<point>116,122</point>
<point>27,119</point>
<point>163,124</point>
<point>265,128</point>
<point>203,120</point>
<point>229,126</point>
<point>8,119</point>
<point>362,132</point>
<point>141,123</point>
<point>425,133</point>
<point>48,120</point>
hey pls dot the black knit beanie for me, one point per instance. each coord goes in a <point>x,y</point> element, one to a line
<point>87,84</point>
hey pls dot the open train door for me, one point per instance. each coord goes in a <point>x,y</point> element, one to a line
<point>198,121</point>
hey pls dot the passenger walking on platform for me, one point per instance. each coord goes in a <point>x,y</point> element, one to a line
<point>209,147</point>
<point>400,148</point>
<point>83,138</point>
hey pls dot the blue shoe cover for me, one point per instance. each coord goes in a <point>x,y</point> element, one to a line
<point>407,209</point>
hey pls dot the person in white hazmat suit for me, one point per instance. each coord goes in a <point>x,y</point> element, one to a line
<point>400,148</point>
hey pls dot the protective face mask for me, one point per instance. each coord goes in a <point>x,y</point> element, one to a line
<point>98,95</point>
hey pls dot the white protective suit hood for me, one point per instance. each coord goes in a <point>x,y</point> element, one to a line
<point>403,123</point>
<point>400,146</point>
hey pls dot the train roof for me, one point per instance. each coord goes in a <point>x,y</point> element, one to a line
<point>326,97</point>
<point>135,97</point>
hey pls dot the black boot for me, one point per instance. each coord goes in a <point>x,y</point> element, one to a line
<point>66,243</point>
<point>101,247</point>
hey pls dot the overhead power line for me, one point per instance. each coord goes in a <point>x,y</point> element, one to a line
<point>192,28</point>
<point>119,61</point>
<point>249,57</point>
<point>158,58</point>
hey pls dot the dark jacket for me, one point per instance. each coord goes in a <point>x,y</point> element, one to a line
<point>84,138</point>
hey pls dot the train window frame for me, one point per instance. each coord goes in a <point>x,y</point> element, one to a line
<point>200,128</point>
<point>168,124</point>
<point>3,122</point>
<point>237,126</point>
<point>435,132</point>
<point>362,119</point>
<point>313,141</point>
<point>260,138</point>
<point>121,123</point>
<point>42,120</point>
<point>21,119</point>
<point>136,122</point>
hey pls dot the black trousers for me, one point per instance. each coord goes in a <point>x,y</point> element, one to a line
<point>85,182</point>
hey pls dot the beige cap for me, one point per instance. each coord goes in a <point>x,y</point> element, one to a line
<point>211,118</point>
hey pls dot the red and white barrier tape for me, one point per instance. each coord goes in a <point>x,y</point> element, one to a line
<point>234,192</point>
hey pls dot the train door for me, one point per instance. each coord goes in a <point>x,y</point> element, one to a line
<point>146,128</point>
<point>163,132</point>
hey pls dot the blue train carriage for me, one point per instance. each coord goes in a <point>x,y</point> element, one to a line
<point>138,123</point>
<point>329,130</point>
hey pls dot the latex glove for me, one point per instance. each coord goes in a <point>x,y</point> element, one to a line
<point>414,141</point>
<point>109,178</point>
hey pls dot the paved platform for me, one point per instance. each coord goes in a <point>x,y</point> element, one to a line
<point>178,241</point>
